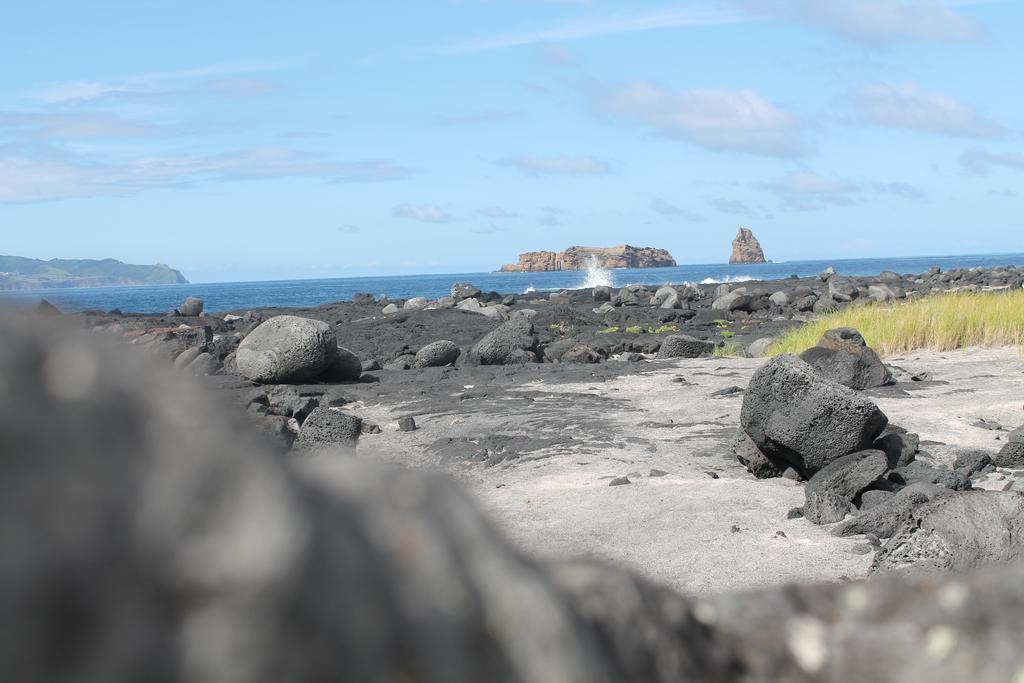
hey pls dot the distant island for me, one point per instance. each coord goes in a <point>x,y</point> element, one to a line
<point>746,248</point>
<point>581,258</point>
<point>17,272</point>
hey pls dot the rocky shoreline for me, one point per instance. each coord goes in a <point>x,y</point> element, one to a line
<point>655,497</point>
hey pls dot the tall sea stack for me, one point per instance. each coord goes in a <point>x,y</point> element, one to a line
<point>746,248</point>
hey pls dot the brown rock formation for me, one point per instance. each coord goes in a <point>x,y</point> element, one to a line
<point>746,248</point>
<point>579,258</point>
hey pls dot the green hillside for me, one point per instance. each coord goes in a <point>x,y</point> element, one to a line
<point>17,272</point>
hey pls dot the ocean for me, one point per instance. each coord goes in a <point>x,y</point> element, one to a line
<point>239,296</point>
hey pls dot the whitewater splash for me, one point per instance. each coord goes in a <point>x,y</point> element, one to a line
<point>596,275</point>
<point>727,279</point>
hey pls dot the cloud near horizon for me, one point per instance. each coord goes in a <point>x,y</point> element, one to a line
<point>722,120</point>
<point>982,162</point>
<point>47,174</point>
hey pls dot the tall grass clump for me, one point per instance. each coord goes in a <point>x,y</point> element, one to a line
<point>941,322</point>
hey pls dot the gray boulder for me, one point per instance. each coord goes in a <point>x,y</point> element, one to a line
<point>326,428</point>
<point>601,293</point>
<point>437,354</point>
<point>192,307</point>
<point>758,347</point>
<point>918,472</point>
<point>346,367</point>
<point>835,487</point>
<point>751,457</point>
<point>737,300</point>
<point>799,418</point>
<point>464,290</point>
<point>1011,455</point>
<point>684,346</point>
<point>511,343</point>
<point>843,356</point>
<point>891,513</point>
<point>581,353</point>
<point>287,350</point>
<point>899,445</point>
<point>415,304</point>
<point>780,299</point>
<point>956,533</point>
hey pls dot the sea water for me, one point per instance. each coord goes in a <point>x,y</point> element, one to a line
<point>239,296</point>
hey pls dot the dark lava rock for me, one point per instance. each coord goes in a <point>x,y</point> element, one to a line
<point>581,353</point>
<point>751,457</point>
<point>346,367</point>
<point>601,293</point>
<point>326,429</point>
<point>437,354</point>
<point>874,498</point>
<point>371,365</point>
<point>192,307</point>
<point>406,424</point>
<point>919,472</point>
<point>899,445</point>
<point>1011,455</point>
<point>684,346</point>
<point>619,481</point>
<point>511,343</point>
<point>44,307</point>
<point>843,356</point>
<point>363,299</point>
<point>798,418</point>
<point>287,350</point>
<point>970,461</point>
<point>658,473</point>
<point>832,490</point>
<point>955,533</point>
<point>464,290</point>
<point>885,518</point>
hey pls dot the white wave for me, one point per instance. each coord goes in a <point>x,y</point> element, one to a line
<point>726,279</point>
<point>596,275</point>
<point>530,290</point>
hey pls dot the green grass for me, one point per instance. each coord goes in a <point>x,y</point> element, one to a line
<point>729,349</point>
<point>609,330</point>
<point>727,334</point>
<point>634,329</point>
<point>941,322</point>
<point>664,328</point>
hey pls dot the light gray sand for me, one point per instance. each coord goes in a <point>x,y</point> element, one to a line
<point>678,529</point>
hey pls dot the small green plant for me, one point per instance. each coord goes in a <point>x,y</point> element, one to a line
<point>730,350</point>
<point>609,330</point>
<point>723,323</point>
<point>664,328</point>
<point>634,329</point>
<point>558,327</point>
<point>728,334</point>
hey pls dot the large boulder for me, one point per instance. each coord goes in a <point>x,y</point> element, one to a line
<point>511,343</point>
<point>957,532</point>
<point>843,356</point>
<point>684,346</point>
<point>1012,453</point>
<point>326,428</point>
<point>833,488</point>
<point>464,290</point>
<point>346,367</point>
<point>437,354</point>
<point>287,349</point>
<point>192,307</point>
<point>802,420</point>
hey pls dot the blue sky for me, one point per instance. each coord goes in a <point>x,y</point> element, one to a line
<point>242,140</point>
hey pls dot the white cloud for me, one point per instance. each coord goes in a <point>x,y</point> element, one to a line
<point>46,174</point>
<point>154,83</point>
<point>904,190</point>
<point>425,213</point>
<point>473,118</point>
<point>906,105</point>
<point>562,165</point>
<point>875,21</point>
<point>610,25</point>
<point>717,119</point>
<point>668,209</point>
<point>73,126</point>
<point>804,190</point>
<point>981,162</point>
<point>242,87</point>
<point>497,213</point>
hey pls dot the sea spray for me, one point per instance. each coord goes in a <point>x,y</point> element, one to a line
<point>596,275</point>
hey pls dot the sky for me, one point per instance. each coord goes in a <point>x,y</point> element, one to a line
<point>241,140</point>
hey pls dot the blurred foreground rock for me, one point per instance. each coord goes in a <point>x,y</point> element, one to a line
<point>143,537</point>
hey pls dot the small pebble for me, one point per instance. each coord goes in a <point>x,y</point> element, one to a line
<point>407,424</point>
<point>781,534</point>
<point>861,549</point>
<point>713,475</point>
<point>735,529</point>
<point>658,473</point>
<point>619,481</point>
<point>795,513</point>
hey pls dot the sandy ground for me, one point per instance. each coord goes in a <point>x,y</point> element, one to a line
<point>687,529</point>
